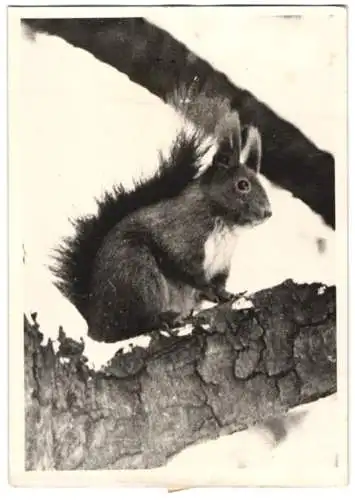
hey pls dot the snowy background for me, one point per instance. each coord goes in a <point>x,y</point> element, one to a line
<point>84,126</point>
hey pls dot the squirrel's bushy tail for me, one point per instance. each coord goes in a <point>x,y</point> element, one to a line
<point>74,259</point>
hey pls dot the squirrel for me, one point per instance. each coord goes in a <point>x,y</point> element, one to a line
<point>151,255</point>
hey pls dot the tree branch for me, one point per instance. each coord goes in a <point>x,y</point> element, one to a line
<point>152,58</point>
<point>239,368</point>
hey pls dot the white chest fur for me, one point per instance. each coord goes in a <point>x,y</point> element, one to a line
<point>219,248</point>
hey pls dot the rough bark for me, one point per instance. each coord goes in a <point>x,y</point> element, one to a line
<point>152,58</point>
<point>240,368</point>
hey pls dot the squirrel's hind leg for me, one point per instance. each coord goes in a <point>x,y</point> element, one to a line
<point>131,296</point>
<point>170,320</point>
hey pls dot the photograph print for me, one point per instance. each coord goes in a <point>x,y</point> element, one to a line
<point>178,181</point>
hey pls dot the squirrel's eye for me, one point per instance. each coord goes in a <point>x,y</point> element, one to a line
<point>243,185</point>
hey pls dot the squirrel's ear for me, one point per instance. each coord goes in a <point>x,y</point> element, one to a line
<point>229,141</point>
<point>235,134</point>
<point>251,152</point>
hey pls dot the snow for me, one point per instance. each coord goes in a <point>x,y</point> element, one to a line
<point>85,126</point>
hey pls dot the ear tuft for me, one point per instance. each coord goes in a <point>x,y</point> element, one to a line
<point>227,133</point>
<point>229,128</point>
<point>251,152</point>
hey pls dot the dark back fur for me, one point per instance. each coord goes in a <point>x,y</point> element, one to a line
<point>76,256</point>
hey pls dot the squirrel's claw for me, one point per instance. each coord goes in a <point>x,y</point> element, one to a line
<point>167,328</point>
<point>226,297</point>
<point>170,321</point>
<point>236,296</point>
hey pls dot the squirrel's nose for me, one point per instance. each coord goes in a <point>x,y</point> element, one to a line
<point>267,213</point>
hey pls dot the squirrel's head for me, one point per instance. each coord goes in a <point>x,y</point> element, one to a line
<point>231,183</point>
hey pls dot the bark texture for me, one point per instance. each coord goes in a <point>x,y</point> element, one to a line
<point>237,368</point>
<point>152,58</point>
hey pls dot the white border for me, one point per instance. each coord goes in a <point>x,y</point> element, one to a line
<point>341,230</point>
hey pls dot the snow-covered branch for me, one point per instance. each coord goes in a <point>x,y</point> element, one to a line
<point>236,369</point>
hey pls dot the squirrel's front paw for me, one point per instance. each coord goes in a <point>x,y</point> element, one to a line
<point>230,297</point>
<point>209,294</point>
<point>225,296</point>
<point>217,295</point>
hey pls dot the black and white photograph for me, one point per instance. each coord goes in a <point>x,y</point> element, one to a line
<point>178,246</point>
